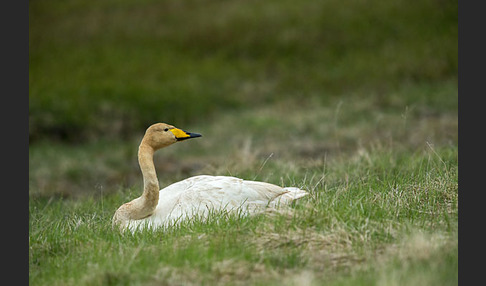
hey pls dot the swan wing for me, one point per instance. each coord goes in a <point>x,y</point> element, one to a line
<point>199,195</point>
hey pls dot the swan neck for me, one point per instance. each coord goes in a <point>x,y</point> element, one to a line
<point>150,196</point>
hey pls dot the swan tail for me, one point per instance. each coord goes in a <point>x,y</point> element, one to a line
<point>291,194</point>
<point>294,193</point>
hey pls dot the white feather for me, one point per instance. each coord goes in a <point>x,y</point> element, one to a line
<point>200,195</point>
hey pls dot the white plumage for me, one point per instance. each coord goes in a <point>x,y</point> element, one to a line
<point>198,196</point>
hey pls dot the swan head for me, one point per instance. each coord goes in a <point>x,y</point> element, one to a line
<point>161,135</point>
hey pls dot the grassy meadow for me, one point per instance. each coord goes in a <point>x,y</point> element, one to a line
<point>354,101</point>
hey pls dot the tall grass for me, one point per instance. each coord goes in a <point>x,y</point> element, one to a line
<point>381,218</point>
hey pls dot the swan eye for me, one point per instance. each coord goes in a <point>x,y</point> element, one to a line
<point>166,129</point>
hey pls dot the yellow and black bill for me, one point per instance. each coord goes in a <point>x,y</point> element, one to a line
<point>183,135</point>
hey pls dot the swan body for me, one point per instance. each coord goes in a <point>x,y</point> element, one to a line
<point>193,197</point>
<point>200,195</point>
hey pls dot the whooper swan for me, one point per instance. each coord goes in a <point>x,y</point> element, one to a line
<point>195,196</point>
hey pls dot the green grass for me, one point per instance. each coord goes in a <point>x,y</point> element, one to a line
<point>380,218</point>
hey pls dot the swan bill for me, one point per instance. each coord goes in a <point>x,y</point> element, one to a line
<point>183,135</point>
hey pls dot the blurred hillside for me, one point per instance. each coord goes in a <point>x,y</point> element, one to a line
<point>110,68</point>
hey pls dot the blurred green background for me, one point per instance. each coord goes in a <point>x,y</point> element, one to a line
<point>355,101</point>
<point>108,69</point>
